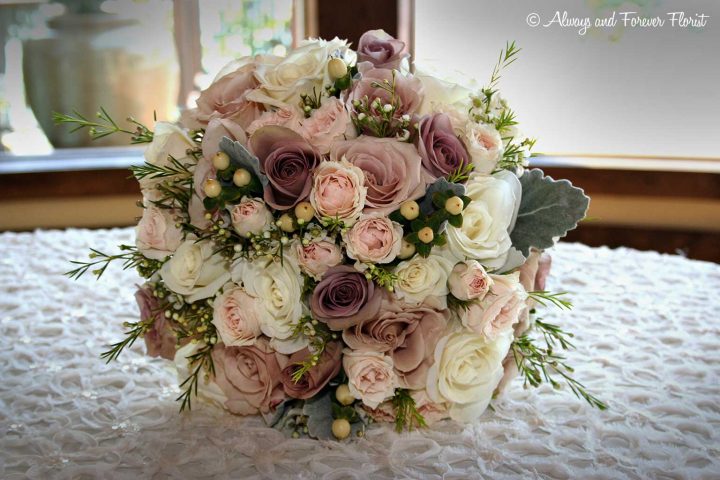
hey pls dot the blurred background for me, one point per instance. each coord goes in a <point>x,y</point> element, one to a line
<point>630,114</point>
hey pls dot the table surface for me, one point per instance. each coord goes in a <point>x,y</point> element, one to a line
<point>648,336</point>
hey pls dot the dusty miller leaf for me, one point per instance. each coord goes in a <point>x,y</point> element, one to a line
<point>241,157</point>
<point>548,209</point>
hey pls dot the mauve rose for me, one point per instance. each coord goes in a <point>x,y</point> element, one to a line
<point>249,377</point>
<point>339,191</point>
<point>407,333</point>
<point>160,340</point>
<point>469,281</point>
<point>236,317</point>
<point>316,258</point>
<point>499,310</point>
<point>249,216</point>
<point>374,239</point>
<point>328,123</point>
<point>408,90</point>
<point>381,49</point>
<point>288,116</point>
<point>227,97</point>
<point>344,297</point>
<point>393,170</point>
<point>288,161</point>
<point>317,377</point>
<point>441,150</point>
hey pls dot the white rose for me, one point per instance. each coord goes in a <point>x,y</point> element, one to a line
<point>207,391</point>
<point>169,140</point>
<point>488,219</point>
<point>194,271</point>
<point>501,308</point>
<point>484,144</point>
<point>466,371</point>
<point>236,317</point>
<point>420,277</point>
<point>278,287</point>
<point>441,95</point>
<point>250,216</point>
<point>371,377</point>
<point>283,80</point>
<point>157,235</point>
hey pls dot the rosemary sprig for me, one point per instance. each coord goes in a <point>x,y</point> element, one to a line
<point>543,297</point>
<point>199,361</point>
<point>104,127</point>
<point>406,413</point>
<point>149,170</point>
<point>461,174</point>
<point>507,56</point>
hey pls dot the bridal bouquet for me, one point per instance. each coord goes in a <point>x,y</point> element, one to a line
<point>330,240</point>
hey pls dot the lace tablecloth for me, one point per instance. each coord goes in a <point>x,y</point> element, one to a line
<point>647,331</point>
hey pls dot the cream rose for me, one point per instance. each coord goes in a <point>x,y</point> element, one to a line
<point>168,141</point>
<point>283,80</point>
<point>250,216</point>
<point>338,191</point>
<point>484,144</point>
<point>194,271</point>
<point>236,317</point>
<point>469,281</point>
<point>157,235</point>
<point>419,278</point>
<point>500,309</point>
<point>278,288</point>
<point>374,239</point>
<point>442,95</point>
<point>328,123</point>
<point>466,371</point>
<point>371,377</point>
<point>488,219</point>
<point>316,258</point>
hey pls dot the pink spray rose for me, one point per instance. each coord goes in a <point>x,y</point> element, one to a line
<point>328,123</point>
<point>157,235</point>
<point>288,161</point>
<point>499,310</point>
<point>160,340</point>
<point>393,170</point>
<point>469,281</point>
<point>316,258</point>
<point>374,239</point>
<point>236,317</point>
<point>249,377</point>
<point>338,191</point>
<point>371,377</point>
<point>381,49</point>
<point>250,216</point>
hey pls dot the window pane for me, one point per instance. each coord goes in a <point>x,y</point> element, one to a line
<point>629,91</point>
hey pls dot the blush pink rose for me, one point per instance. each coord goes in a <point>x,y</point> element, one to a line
<point>374,239</point>
<point>469,281</point>
<point>432,412</point>
<point>338,191</point>
<point>160,339</point>
<point>157,235</point>
<point>316,258</point>
<point>371,377</point>
<point>499,310</point>
<point>249,377</point>
<point>250,216</point>
<point>227,98</point>
<point>407,333</point>
<point>317,377</point>
<point>393,170</point>
<point>327,124</point>
<point>287,116</point>
<point>236,317</point>
<point>216,129</point>
<point>510,373</point>
<point>533,274</point>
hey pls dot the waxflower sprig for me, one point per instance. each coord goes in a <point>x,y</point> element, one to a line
<point>104,127</point>
<point>131,258</point>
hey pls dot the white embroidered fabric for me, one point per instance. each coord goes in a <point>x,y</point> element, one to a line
<point>648,343</point>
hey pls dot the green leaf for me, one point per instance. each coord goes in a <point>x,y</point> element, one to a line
<point>456,220</point>
<point>423,249</point>
<point>549,208</point>
<point>210,204</point>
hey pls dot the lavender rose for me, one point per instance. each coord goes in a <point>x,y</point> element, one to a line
<point>288,160</point>
<point>249,376</point>
<point>441,150</point>
<point>317,377</point>
<point>407,333</point>
<point>393,171</point>
<point>160,340</point>
<point>344,297</point>
<point>381,49</point>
